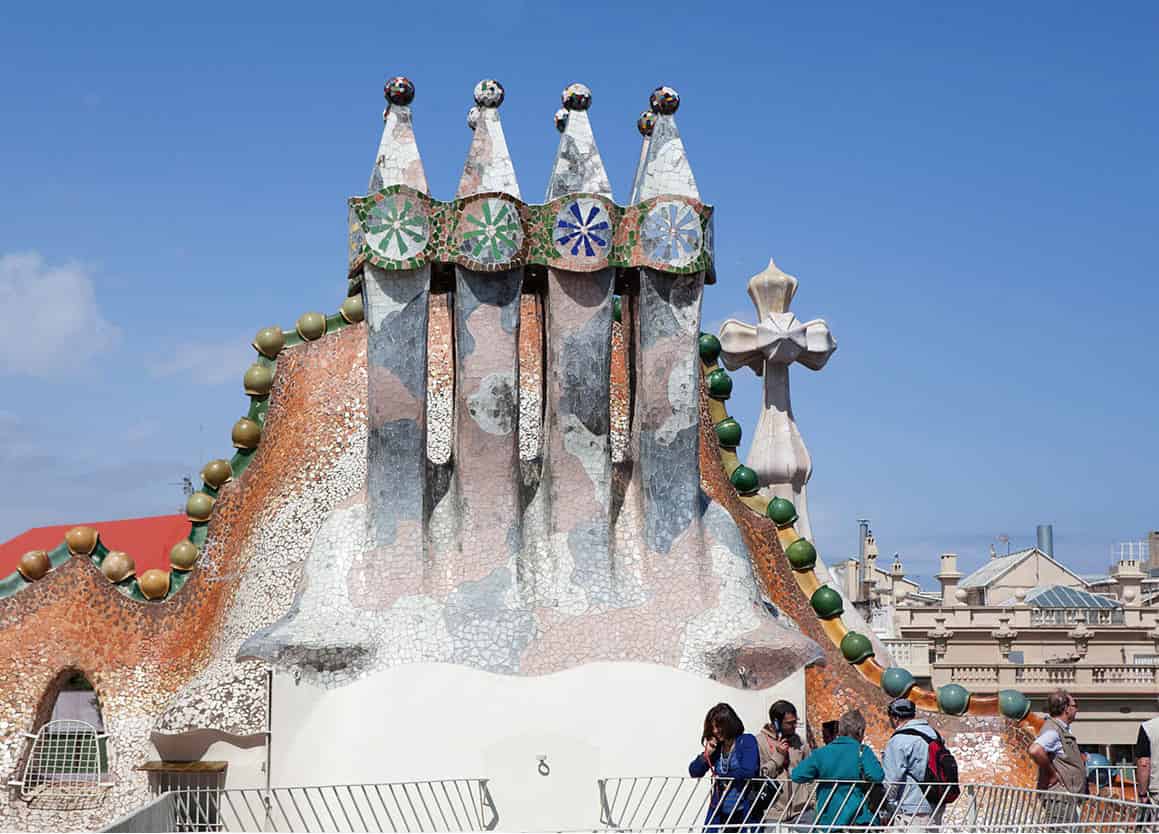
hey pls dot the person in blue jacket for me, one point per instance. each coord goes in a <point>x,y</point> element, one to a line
<point>843,768</point>
<point>733,757</point>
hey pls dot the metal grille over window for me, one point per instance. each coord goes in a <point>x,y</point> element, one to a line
<point>67,758</point>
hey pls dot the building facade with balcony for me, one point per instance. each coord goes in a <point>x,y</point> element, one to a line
<point>1026,622</point>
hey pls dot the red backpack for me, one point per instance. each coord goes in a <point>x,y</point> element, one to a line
<point>941,768</point>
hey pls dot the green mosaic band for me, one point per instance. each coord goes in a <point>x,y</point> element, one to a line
<point>402,229</point>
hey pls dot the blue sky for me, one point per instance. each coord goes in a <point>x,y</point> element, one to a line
<point>967,196</point>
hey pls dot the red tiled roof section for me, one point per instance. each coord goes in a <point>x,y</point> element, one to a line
<point>147,540</point>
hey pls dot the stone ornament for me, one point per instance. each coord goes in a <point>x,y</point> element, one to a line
<point>217,473</point>
<point>269,342</point>
<point>646,122</point>
<point>81,541</point>
<point>776,341</point>
<point>117,566</point>
<point>34,565</point>
<point>489,93</point>
<point>154,584</point>
<point>399,90</point>
<point>183,555</point>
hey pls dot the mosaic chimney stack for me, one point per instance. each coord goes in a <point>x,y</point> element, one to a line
<point>495,530</point>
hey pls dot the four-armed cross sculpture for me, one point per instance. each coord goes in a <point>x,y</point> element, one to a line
<point>778,453</point>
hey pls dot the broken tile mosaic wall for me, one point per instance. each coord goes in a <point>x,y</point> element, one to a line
<point>513,464</point>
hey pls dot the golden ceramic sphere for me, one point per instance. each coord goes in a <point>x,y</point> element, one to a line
<point>352,309</point>
<point>311,326</point>
<point>183,555</point>
<point>81,541</point>
<point>246,434</point>
<point>117,566</point>
<point>34,564</point>
<point>269,341</point>
<point>257,380</point>
<point>154,583</point>
<point>217,472</point>
<point>199,506</point>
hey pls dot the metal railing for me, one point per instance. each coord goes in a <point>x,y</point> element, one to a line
<point>676,804</point>
<point>435,806</point>
<point>1114,781</point>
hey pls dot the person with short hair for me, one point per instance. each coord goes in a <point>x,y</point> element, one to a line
<point>1147,776</point>
<point>1062,767</point>
<point>843,770</point>
<point>781,750</point>
<point>905,760</point>
<point>731,755</point>
<point>828,731</point>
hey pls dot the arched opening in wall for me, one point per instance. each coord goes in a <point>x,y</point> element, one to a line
<point>67,763</point>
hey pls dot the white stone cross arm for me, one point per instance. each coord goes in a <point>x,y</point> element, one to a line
<point>778,338</point>
<point>777,454</point>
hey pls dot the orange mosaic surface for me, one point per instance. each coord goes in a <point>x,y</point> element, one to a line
<point>988,749</point>
<point>138,655</point>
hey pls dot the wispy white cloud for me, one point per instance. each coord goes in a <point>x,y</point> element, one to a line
<point>54,324</point>
<point>206,363</point>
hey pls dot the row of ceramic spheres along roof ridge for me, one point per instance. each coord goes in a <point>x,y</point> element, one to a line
<point>664,100</point>
<point>952,699</point>
<point>117,566</point>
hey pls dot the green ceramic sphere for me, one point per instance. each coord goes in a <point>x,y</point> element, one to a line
<point>728,433</point>
<point>745,480</point>
<point>216,472</point>
<point>617,309</point>
<point>782,512</point>
<point>269,342</point>
<point>246,434</point>
<point>953,699</point>
<point>896,681</point>
<point>311,326</point>
<point>827,603</point>
<point>257,380</point>
<point>352,310</point>
<point>1013,704</point>
<point>183,555</point>
<point>719,384</point>
<point>709,347</point>
<point>199,506</point>
<point>802,555</point>
<point>856,647</point>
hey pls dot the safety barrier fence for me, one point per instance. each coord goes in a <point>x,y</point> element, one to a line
<point>432,806</point>
<point>663,804</point>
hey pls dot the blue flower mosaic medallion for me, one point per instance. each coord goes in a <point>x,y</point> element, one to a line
<point>491,232</point>
<point>582,229</point>
<point>671,234</point>
<point>396,227</point>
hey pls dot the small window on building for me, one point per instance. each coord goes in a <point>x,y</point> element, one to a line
<point>1146,660</point>
<point>1017,658</point>
<point>68,755</point>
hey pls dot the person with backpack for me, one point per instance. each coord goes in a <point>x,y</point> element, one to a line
<point>917,754</point>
